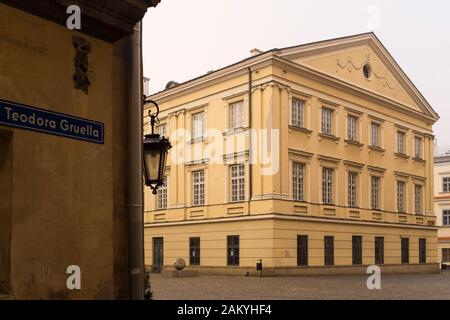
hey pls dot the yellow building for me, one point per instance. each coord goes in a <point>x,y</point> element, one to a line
<point>442,205</point>
<point>316,158</point>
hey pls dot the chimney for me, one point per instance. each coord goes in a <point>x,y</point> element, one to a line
<point>146,86</point>
<point>255,52</point>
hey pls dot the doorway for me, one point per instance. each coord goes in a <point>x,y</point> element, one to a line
<point>158,254</point>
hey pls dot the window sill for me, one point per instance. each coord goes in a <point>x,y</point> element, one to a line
<point>232,131</point>
<point>376,148</point>
<point>329,136</point>
<point>195,140</point>
<point>300,129</point>
<point>401,155</point>
<point>419,160</point>
<point>354,143</point>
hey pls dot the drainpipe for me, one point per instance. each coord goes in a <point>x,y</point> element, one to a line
<point>135,160</point>
<point>250,173</point>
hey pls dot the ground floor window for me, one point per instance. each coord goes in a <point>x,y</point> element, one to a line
<point>446,255</point>
<point>302,250</point>
<point>194,251</point>
<point>405,250</point>
<point>232,250</point>
<point>329,250</point>
<point>422,250</point>
<point>356,250</point>
<point>379,250</point>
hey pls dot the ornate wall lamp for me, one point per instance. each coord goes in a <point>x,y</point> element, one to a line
<point>156,149</point>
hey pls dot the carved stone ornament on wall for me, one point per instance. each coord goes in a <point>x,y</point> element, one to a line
<point>349,65</point>
<point>81,63</point>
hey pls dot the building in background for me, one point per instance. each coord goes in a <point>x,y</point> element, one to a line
<point>442,205</point>
<point>64,160</point>
<point>316,158</point>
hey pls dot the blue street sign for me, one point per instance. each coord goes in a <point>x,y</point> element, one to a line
<point>54,123</point>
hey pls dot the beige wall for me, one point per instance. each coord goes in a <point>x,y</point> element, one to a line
<point>67,196</point>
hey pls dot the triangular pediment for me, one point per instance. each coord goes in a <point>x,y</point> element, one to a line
<point>361,61</point>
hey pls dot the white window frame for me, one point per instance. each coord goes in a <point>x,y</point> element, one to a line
<point>446,184</point>
<point>401,145</point>
<point>418,148</point>
<point>236,114</point>
<point>375,192</point>
<point>352,185</point>
<point>198,188</point>
<point>418,199</point>
<point>327,121</point>
<point>198,119</point>
<point>401,196</point>
<point>161,129</point>
<point>352,128</point>
<point>298,113</point>
<point>327,185</point>
<point>446,217</point>
<point>298,181</point>
<point>237,183</point>
<point>162,195</point>
<point>375,136</point>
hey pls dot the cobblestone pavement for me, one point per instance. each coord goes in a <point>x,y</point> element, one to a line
<point>413,286</point>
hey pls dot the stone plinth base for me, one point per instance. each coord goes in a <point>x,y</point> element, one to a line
<point>180,274</point>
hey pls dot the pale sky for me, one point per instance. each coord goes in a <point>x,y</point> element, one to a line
<point>185,39</point>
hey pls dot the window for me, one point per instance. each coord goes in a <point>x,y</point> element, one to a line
<point>162,195</point>
<point>400,196</point>
<point>236,115</point>
<point>194,251</point>
<point>418,199</point>
<point>367,71</point>
<point>326,120</point>
<point>375,192</point>
<point>422,250</point>
<point>352,177</point>
<point>446,255</point>
<point>329,250</point>
<point>297,181</point>
<point>232,250</point>
<point>446,218</point>
<point>161,130</point>
<point>446,184</point>
<point>327,185</point>
<point>405,250</point>
<point>401,142</point>
<point>356,250</point>
<point>351,128</point>
<point>237,183</point>
<point>379,250</point>
<point>197,125</point>
<point>198,182</point>
<point>297,113</point>
<point>375,136</point>
<point>418,148</point>
<point>302,250</point>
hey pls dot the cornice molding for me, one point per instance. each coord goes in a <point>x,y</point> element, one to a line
<point>280,216</point>
<point>108,20</point>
